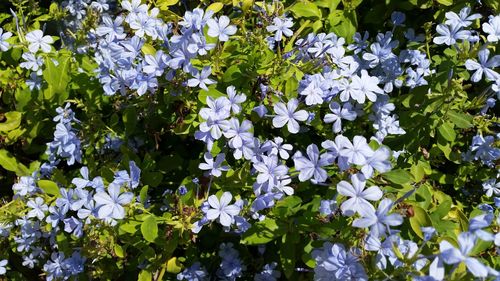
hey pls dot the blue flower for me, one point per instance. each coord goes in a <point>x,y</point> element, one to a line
<point>398,18</point>
<point>38,208</point>
<point>280,27</point>
<point>311,166</point>
<point>359,197</point>
<point>379,221</point>
<point>452,255</point>
<point>485,66</point>
<point>492,28</point>
<point>3,265</point>
<point>37,41</point>
<point>269,170</point>
<point>214,168</point>
<point>193,273</point>
<point>450,34</point>
<point>287,115</point>
<point>111,203</point>
<point>220,28</point>
<point>4,45</point>
<point>182,190</point>
<point>231,266</point>
<point>268,273</point>
<point>201,78</point>
<point>333,262</point>
<point>491,187</point>
<point>25,186</point>
<point>338,113</point>
<point>463,19</point>
<point>221,210</point>
<point>130,180</point>
<point>32,62</point>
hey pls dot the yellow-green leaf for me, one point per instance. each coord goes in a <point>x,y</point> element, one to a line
<point>419,219</point>
<point>49,187</point>
<point>119,252</point>
<point>149,228</point>
<point>173,265</point>
<point>13,120</point>
<point>217,6</point>
<point>447,132</point>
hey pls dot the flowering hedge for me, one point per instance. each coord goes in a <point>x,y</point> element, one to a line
<point>249,140</point>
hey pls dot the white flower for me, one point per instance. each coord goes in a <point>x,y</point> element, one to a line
<point>38,41</point>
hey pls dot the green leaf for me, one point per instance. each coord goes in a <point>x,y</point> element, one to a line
<point>13,121</point>
<point>351,4</point>
<point>57,77</point>
<point>49,187</point>
<point>130,120</point>
<point>462,121</point>
<point>119,252</point>
<point>287,254</point>
<point>10,163</point>
<point>330,4</point>
<point>347,27</point>
<point>217,6</point>
<point>447,132</point>
<point>143,194</point>
<point>145,275</point>
<point>173,265</point>
<point>263,232</point>
<point>212,92</point>
<point>306,10</point>
<point>398,176</point>
<point>149,228</point>
<point>420,218</point>
<point>288,206</point>
<point>148,49</point>
<point>164,4</point>
<point>446,2</point>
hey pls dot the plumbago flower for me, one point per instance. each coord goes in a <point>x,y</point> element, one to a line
<point>287,115</point>
<point>334,262</point>
<point>4,45</point>
<point>452,255</point>
<point>214,168</point>
<point>379,221</point>
<point>364,81</point>
<point>269,170</point>
<point>110,204</point>
<point>338,113</point>
<point>37,41</point>
<point>221,210</point>
<point>492,27</point>
<point>485,66</point>
<point>220,28</point>
<point>280,27</point>
<point>450,34</point>
<point>311,166</point>
<point>358,196</point>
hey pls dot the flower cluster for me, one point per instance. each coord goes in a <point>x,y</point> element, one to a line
<point>66,144</point>
<point>88,205</point>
